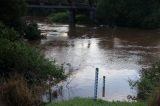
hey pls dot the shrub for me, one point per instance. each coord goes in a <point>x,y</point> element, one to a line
<point>32,32</point>
<point>8,33</point>
<point>16,92</point>
<point>60,17</point>
<point>150,79</point>
<point>19,57</point>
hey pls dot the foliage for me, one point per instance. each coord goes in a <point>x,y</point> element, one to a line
<point>82,19</point>
<point>16,92</point>
<point>8,33</point>
<point>60,17</point>
<point>32,32</point>
<point>19,57</point>
<point>63,17</point>
<point>11,13</point>
<point>132,13</point>
<point>90,102</point>
<point>149,80</point>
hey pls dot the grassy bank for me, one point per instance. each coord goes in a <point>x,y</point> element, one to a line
<point>90,102</point>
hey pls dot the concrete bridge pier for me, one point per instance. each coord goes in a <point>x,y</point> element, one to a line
<point>72,16</point>
<point>92,15</point>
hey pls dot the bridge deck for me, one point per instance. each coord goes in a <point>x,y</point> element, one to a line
<point>61,7</point>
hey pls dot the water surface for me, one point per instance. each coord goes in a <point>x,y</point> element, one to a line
<point>119,53</point>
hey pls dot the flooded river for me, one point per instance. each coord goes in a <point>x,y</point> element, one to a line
<point>119,53</point>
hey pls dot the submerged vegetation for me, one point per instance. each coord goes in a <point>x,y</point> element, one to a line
<point>32,32</point>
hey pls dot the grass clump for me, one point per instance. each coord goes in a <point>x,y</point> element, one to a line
<point>15,92</point>
<point>90,102</point>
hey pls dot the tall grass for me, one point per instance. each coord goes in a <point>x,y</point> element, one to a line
<point>154,99</point>
<point>16,92</point>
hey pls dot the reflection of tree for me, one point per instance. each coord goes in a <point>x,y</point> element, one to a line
<point>72,31</point>
<point>89,43</point>
<point>140,37</point>
<point>78,32</point>
<point>131,37</point>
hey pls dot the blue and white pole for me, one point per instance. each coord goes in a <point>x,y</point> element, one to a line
<point>96,84</point>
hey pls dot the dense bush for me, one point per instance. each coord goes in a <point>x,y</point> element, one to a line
<point>60,17</point>
<point>12,14</point>
<point>32,32</point>
<point>149,80</point>
<point>19,57</point>
<point>8,33</point>
<point>132,13</point>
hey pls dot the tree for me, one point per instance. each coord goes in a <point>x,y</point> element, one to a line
<point>132,13</point>
<point>12,12</point>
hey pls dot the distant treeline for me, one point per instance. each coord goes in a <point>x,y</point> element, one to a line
<point>126,13</point>
<point>129,13</point>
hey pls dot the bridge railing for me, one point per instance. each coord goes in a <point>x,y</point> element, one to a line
<point>46,3</point>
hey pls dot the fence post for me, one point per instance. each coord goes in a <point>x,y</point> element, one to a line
<point>103,89</point>
<point>96,84</point>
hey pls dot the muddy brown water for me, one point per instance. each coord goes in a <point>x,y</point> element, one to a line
<point>119,53</point>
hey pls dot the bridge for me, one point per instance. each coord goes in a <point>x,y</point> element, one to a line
<point>71,5</point>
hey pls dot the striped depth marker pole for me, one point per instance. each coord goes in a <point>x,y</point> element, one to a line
<point>103,89</point>
<point>96,84</point>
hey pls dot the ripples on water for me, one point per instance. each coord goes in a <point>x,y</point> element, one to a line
<point>119,53</point>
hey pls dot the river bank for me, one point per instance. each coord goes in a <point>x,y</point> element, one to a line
<point>90,102</point>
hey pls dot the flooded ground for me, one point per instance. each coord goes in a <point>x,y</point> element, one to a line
<point>119,53</point>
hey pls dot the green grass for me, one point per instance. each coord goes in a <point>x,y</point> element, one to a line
<point>90,102</point>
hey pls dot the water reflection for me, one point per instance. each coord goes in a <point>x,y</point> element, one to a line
<point>119,53</point>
